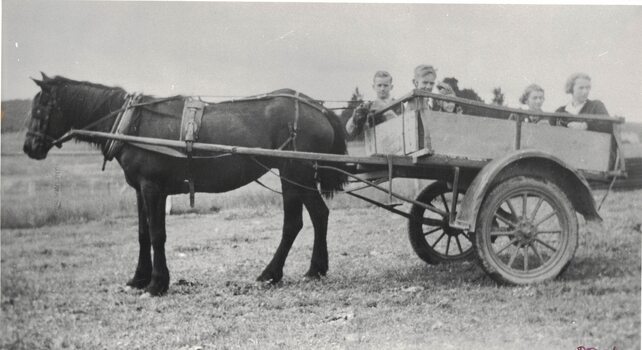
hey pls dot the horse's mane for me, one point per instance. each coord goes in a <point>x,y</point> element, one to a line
<point>60,80</point>
<point>85,92</point>
<point>83,98</point>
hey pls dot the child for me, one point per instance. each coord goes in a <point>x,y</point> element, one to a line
<point>447,106</point>
<point>425,76</point>
<point>382,85</point>
<point>424,79</point>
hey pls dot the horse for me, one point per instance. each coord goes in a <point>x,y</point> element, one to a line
<point>63,104</point>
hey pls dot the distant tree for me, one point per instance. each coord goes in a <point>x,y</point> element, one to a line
<point>470,94</point>
<point>498,96</point>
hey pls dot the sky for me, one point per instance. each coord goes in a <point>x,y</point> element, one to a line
<point>324,50</point>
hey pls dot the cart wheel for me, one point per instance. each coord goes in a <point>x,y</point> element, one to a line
<point>430,235</point>
<point>526,231</point>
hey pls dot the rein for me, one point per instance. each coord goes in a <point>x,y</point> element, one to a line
<point>48,139</point>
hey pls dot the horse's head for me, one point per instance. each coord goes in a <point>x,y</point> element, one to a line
<point>47,122</point>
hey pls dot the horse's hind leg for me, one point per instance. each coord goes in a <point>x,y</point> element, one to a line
<point>143,274</point>
<point>319,212</point>
<point>154,200</point>
<point>292,224</point>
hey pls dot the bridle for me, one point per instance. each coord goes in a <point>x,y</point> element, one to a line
<point>43,114</point>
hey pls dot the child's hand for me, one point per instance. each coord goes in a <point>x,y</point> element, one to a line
<point>361,113</point>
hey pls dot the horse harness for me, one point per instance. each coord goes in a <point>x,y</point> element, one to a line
<point>191,120</point>
<point>43,117</point>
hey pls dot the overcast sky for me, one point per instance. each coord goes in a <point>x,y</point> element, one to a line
<point>324,50</point>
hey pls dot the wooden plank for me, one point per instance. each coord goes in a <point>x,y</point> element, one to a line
<point>581,149</point>
<point>468,136</point>
<point>488,138</point>
<point>402,161</point>
<point>398,136</point>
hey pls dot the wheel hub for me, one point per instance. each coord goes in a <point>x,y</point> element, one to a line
<point>447,229</point>
<point>526,232</point>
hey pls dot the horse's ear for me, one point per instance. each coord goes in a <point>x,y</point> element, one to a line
<point>38,82</point>
<point>44,76</point>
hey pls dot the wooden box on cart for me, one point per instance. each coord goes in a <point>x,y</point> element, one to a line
<point>424,131</point>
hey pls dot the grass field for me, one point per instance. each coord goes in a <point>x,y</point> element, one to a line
<point>69,243</point>
<point>70,187</point>
<point>63,287</point>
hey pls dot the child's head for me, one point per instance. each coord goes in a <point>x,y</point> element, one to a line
<point>579,86</point>
<point>533,97</point>
<point>425,77</point>
<point>382,84</point>
<point>446,90</point>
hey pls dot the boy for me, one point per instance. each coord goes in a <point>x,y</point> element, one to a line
<point>424,79</point>
<point>382,85</point>
<point>425,76</point>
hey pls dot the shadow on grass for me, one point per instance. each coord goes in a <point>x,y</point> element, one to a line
<point>427,276</point>
<point>594,267</point>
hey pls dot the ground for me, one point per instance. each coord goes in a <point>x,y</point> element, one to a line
<point>63,286</point>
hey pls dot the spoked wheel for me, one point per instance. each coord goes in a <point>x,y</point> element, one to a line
<point>431,236</point>
<point>526,231</point>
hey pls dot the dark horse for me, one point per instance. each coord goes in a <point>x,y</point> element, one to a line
<point>63,104</point>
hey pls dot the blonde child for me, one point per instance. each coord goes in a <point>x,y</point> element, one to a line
<point>382,85</point>
<point>424,79</point>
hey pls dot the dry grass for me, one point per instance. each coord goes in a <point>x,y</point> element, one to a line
<point>62,287</point>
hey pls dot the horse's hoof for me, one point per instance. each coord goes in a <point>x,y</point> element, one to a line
<point>314,275</point>
<point>158,286</point>
<point>138,283</point>
<point>270,277</point>
<point>155,289</point>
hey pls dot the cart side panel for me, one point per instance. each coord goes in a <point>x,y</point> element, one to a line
<point>581,149</point>
<point>398,136</point>
<point>488,138</point>
<point>468,136</point>
<point>474,137</point>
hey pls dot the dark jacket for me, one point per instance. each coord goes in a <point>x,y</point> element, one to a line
<point>591,107</point>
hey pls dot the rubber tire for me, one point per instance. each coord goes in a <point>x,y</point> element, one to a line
<point>415,228</point>
<point>495,198</point>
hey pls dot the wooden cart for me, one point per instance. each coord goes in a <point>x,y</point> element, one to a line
<point>505,191</point>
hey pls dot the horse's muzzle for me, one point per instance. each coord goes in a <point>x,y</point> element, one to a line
<point>35,150</point>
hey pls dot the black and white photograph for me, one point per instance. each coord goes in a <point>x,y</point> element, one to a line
<point>320,175</point>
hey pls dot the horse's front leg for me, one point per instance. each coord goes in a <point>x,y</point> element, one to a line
<point>154,200</point>
<point>143,274</point>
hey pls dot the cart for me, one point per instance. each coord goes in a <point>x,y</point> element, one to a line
<point>505,191</point>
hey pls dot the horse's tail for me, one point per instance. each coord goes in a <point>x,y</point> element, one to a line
<point>332,181</point>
